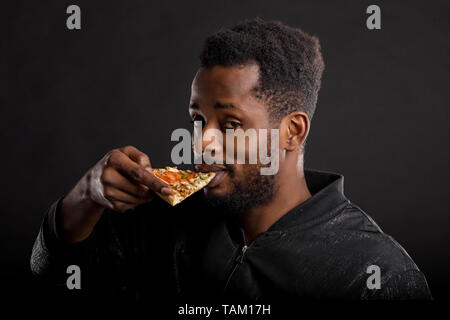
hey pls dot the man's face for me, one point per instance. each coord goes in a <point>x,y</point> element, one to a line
<point>222,98</point>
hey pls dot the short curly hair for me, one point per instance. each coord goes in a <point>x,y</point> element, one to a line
<point>290,62</point>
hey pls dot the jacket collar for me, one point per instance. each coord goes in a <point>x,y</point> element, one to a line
<point>327,190</point>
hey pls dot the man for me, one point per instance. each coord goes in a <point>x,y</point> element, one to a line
<point>248,236</point>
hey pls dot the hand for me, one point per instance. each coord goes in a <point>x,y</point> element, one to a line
<point>122,180</point>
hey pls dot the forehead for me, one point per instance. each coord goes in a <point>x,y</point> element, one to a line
<point>218,82</point>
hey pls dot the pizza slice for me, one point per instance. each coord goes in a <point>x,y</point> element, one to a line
<point>184,183</point>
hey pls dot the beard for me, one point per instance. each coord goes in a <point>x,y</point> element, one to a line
<point>252,191</point>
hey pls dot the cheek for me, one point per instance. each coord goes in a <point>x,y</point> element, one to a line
<point>241,150</point>
<point>226,186</point>
<point>242,173</point>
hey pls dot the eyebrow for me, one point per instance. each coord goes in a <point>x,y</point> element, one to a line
<point>217,105</point>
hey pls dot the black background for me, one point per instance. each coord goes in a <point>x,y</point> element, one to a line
<point>67,97</point>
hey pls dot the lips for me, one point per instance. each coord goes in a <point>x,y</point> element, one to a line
<point>217,179</point>
<point>221,172</point>
<point>210,168</point>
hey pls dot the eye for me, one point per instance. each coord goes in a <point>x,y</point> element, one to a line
<point>232,124</point>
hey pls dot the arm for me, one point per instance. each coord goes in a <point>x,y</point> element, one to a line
<point>408,285</point>
<point>119,181</point>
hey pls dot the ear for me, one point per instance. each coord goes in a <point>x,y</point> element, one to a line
<point>294,129</point>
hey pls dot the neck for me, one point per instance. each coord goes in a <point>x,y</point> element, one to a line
<point>292,191</point>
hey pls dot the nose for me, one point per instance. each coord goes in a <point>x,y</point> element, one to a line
<point>212,141</point>
<point>208,142</point>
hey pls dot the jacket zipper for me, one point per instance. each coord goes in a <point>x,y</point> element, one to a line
<point>238,260</point>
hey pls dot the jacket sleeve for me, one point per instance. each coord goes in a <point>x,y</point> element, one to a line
<point>52,256</point>
<point>124,256</point>
<point>408,285</point>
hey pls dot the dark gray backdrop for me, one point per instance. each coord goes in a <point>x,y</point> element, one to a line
<point>67,97</point>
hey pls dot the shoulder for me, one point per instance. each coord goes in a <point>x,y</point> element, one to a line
<point>356,231</point>
<point>371,252</point>
<point>347,248</point>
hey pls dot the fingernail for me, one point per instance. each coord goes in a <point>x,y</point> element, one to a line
<point>149,169</point>
<point>166,190</point>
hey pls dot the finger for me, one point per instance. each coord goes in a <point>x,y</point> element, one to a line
<point>114,194</point>
<point>111,177</point>
<point>137,156</point>
<point>122,206</point>
<point>133,171</point>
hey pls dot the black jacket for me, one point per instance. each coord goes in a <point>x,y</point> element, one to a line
<point>321,249</point>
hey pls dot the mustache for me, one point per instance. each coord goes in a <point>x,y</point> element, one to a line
<point>230,168</point>
<point>213,167</point>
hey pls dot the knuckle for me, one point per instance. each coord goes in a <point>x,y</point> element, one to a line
<point>105,176</point>
<point>112,157</point>
<point>113,151</point>
<point>142,158</point>
<point>108,192</point>
<point>137,174</point>
<point>128,148</point>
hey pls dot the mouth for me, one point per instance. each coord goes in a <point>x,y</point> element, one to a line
<point>217,179</point>
<point>220,171</point>
<point>209,168</point>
